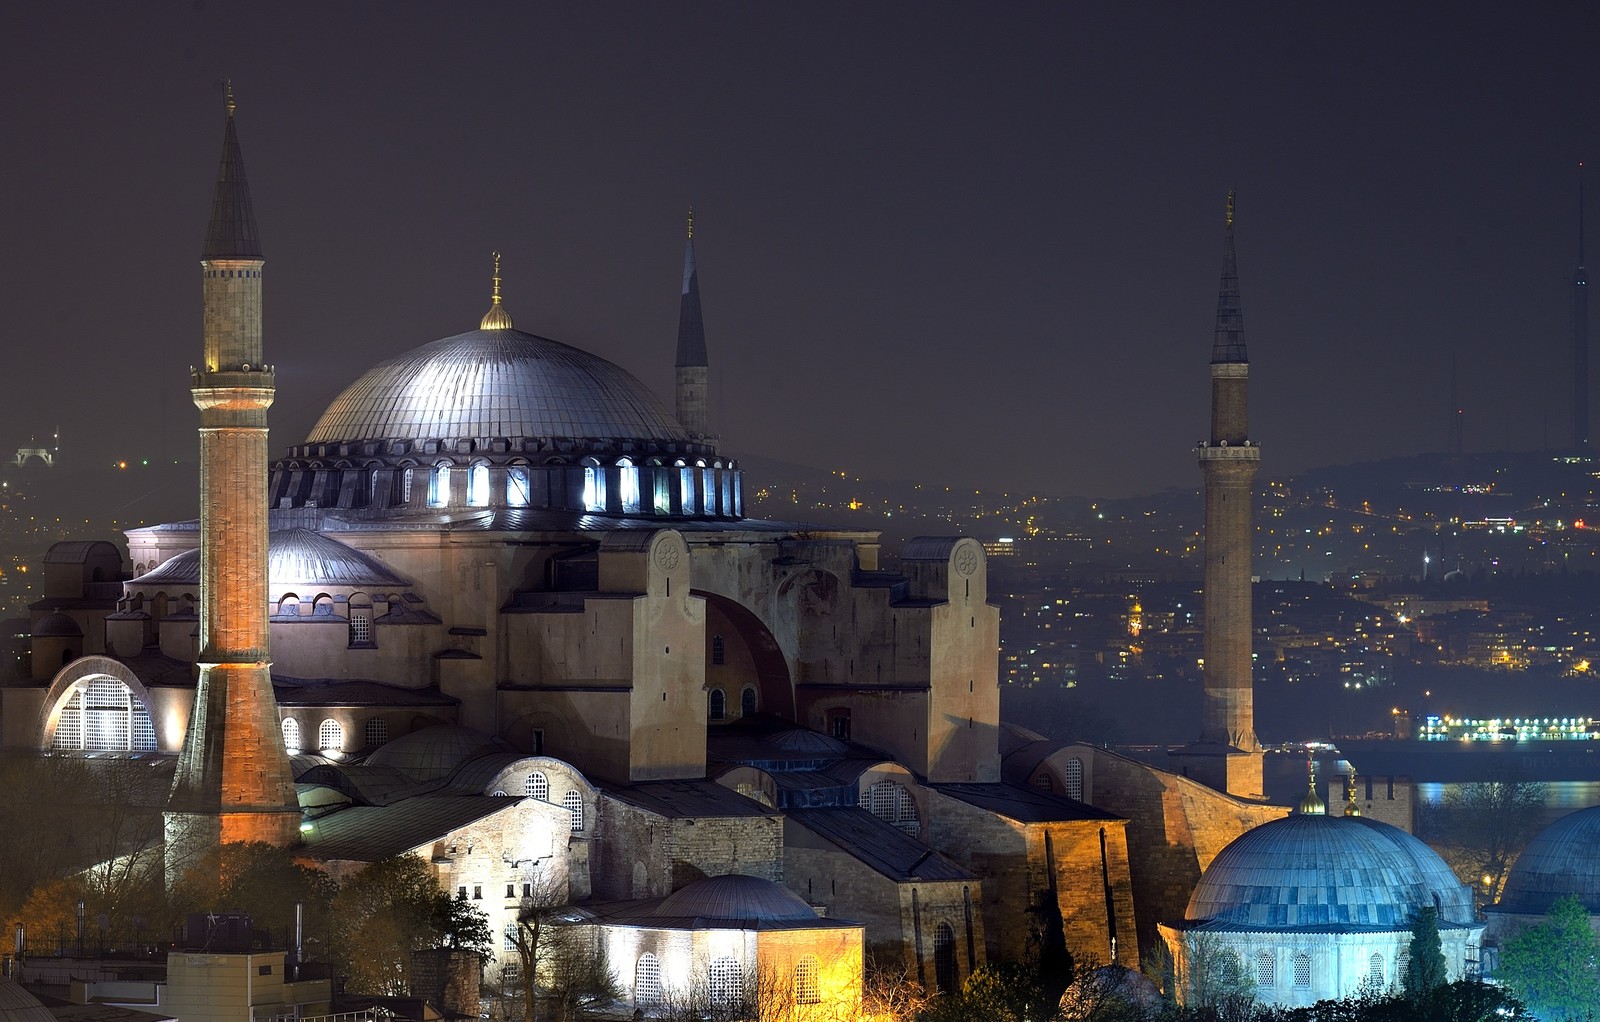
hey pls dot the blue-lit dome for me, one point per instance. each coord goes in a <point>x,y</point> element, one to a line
<point>1564,859</point>
<point>1323,872</point>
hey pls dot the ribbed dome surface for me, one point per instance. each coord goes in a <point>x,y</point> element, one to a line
<point>432,753</point>
<point>1563,859</point>
<point>735,897</point>
<point>57,626</point>
<point>1455,898</point>
<point>1313,871</point>
<point>295,557</point>
<point>495,383</point>
<point>17,1005</point>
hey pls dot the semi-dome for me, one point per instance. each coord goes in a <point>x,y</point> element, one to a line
<point>736,897</point>
<point>295,558</point>
<point>495,383</point>
<point>1564,859</point>
<point>1330,872</point>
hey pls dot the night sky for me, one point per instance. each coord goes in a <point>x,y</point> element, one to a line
<point>971,244</point>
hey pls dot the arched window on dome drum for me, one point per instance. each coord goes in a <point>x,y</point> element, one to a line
<point>647,981</point>
<point>946,977</point>
<point>1375,969</point>
<point>726,506</point>
<point>686,490</point>
<point>360,609</point>
<point>405,485</point>
<point>291,736</point>
<point>726,985</point>
<point>594,488</point>
<point>103,715</point>
<point>806,988</point>
<point>747,702</point>
<point>330,736</point>
<point>518,490</point>
<point>537,786</point>
<point>1074,778</point>
<point>661,488</point>
<point>1266,968</point>
<point>439,486</point>
<point>377,732</point>
<point>708,482</point>
<point>1302,970</point>
<point>572,802</point>
<point>628,485</point>
<point>478,485</point>
<point>717,705</point>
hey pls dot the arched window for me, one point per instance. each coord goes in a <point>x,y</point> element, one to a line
<point>686,490</point>
<point>1231,971</point>
<point>717,705</point>
<point>537,786</point>
<point>1044,783</point>
<point>377,732</point>
<point>1074,778</point>
<point>726,986</point>
<point>1403,964</point>
<point>360,609</point>
<point>661,487</point>
<point>647,981</point>
<point>719,651</point>
<point>890,802</point>
<point>628,485</point>
<point>478,485</point>
<point>405,485</point>
<point>594,488</point>
<point>103,715</point>
<point>806,988</point>
<point>1375,969</point>
<point>291,736</point>
<point>946,977</point>
<point>572,802</point>
<point>439,486</point>
<point>747,702</point>
<point>1266,968</point>
<point>518,491</point>
<point>330,736</point>
<point>289,606</point>
<point>1302,970</point>
<point>709,478</point>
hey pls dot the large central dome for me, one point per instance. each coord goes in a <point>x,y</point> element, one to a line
<point>495,383</point>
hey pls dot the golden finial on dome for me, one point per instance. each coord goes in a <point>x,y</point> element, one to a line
<point>1311,805</point>
<point>1350,807</point>
<point>227,88</point>
<point>497,318</point>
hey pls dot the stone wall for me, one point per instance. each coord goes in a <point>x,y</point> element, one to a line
<point>642,854</point>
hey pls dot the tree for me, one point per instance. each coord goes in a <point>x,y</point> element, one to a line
<point>261,880</point>
<point>557,952</point>
<point>1552,966</point>
<point>1481,828</point>
<point>389,909</point>
<point>1427,969</point>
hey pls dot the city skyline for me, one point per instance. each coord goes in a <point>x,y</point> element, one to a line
<point>948,245</point>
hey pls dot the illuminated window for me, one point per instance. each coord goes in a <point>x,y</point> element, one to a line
<point>890,802</point>
<point>330,736</point>
<point>717,705</point>
<point>361,626</point>
<point>291,735</point>
<point>1074,778</point>
<point>1266,968</point>
<point>594,488</point>
<point>747,702</point>
<point>572,802</point>
<point>518,489</point>
<point>103,715</point>
<point>805,980</point>
<point>405,486</point>
<point>709,478</point>
<point>945,975</point>
<point>1302,970</point>
<point>377,730</point>
<point>628,485</point>
<point>537,786</point>
<point>661,487</point>
<point>647,981</point>
<point>727,982</point>
<point>439,486</point>
<point>478,485</point>
<point>686,490</point>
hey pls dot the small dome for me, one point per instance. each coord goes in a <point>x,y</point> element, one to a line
<point>57,626</point>
<point>433,753</point>
<point>1320,871</point>
<point>735,897</point>
<point>495,383</point>
<point>300,557</point>
<point>17,1005</point>
<point>1563,859</point>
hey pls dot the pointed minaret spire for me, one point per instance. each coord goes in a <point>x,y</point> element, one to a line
<point>693,366</point>
<point>497,318</point>
<point>231,233</point>
<point>1228,345</point>
<point>1580,337</point>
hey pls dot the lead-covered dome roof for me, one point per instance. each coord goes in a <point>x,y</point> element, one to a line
<point>1563,859</point>
<point>495,383</point>
<point>1324,873</point>
<point>735,897</point>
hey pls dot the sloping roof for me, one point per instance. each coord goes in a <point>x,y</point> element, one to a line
<point>686,799</point>
<point>885,849</point>
<point>1023,804</point>
<point>370,833</point>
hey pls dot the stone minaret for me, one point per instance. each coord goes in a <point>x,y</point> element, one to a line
<point>233,781</point>
<point>1580,338</point>
<point>694,383</point>
<point>1228,461</point>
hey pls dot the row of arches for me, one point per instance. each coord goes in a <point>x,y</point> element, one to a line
<point>537,786</point>
<point>330,738</point>
<point>1265,967</point>
<point>717,703</point>
<point>725,981</point>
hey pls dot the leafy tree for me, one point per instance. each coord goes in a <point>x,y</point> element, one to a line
<point>383,913</point>
<point>261,880</point>
<point>1552,966</point>
<point>1427,969</point>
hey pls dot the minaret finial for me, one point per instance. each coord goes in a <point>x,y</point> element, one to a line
<point>227,88</point>
<point>1350,807</point>
<point>1311,805</point>
<point>497,318</point>
<point>691,223</point>
<point>1228,216</point>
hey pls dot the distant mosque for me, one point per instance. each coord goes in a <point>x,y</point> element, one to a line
<point>502,609</point>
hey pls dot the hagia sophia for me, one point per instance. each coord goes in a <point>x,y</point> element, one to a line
<point>501,608</point>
